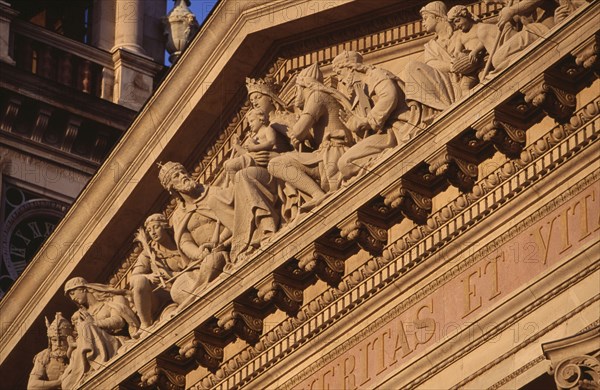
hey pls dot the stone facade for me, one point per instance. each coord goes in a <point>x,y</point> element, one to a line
<point>398,196</point>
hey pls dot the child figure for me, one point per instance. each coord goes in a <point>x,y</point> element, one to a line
<point>470,41</point>
<point>260,145</point>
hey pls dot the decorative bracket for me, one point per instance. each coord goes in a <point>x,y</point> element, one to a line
<point>586,55</point>
<point>574,359</point>
<point>41,124</point>
<point>161,374</point>
<point>325,262</point>
<point>284,292</point>
<point>552,95</point>
<point>413,201</point>
<point>207,351</point>
<point>459,168</point>
<point>578,372</point>
<point>507,138</point>
<point>366,229</point>
<point>242,320</point>
<point>73,126</point>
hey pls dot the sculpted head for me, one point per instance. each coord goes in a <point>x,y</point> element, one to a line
<point>257,118</point>
<point>174,177</point>
<point>432,14</point>
<point>157,225</point>
<point>345,62</point>
<point>261,95</point>
<point>461,18</point>
<point>58,332</point>
<point>309,78</point>
<point>76,289</point>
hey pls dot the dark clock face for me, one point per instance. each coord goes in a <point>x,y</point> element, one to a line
<point>27,237</point>
<point>23,233</point>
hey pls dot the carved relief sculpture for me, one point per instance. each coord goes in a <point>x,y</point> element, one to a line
<point>262,96</point>
<point>381,118</point>
<point>160,269</point>
<point>523,22</point>
<point>471,40</point>
<point>103,322</point>
<point>261,145</point>
<point>316,172</point>
<point>50,364</point>
<point>200,235</point>
<point>432,82</point>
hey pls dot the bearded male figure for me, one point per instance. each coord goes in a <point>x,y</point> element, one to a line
<point>209,220</point>
<point>50,364</point>
<point>200,234</point>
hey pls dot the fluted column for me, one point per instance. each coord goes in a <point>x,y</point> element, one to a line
<point>129,26</point>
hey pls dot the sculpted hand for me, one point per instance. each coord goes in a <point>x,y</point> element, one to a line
<point>154,278</point>
<point>473,56</point>
<point>295,141</point>
<point>505,16</point>
<point>353,122</point>
<point>561,13</point>
<point>86,317</point>
<point>261,158</point>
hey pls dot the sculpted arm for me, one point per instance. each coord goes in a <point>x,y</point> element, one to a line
<point>387,94</point>
<point>522,7</point>
<point>268,144</point>
<point>443,66</point>
<point>142,265</point>
<point>301,128</point>
<point>189,247</point>
<point>37,375</point>
<point>113,322</point>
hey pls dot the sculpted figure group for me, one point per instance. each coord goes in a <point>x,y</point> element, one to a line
<point>287,163</point>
